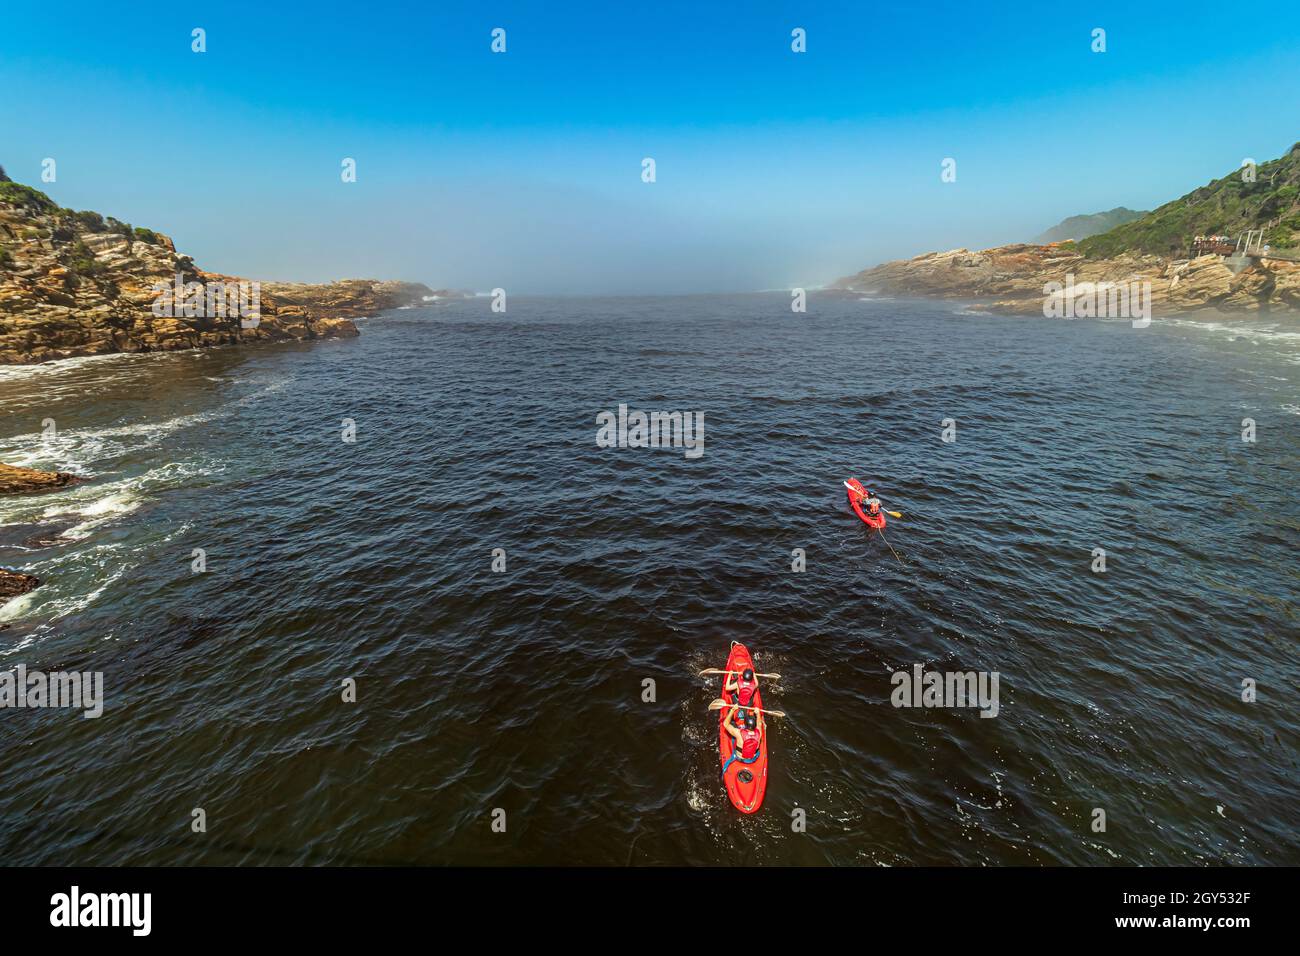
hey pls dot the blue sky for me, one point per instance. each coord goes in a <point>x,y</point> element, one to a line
<point>522,169</point>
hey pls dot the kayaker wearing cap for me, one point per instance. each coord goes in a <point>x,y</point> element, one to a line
<point>872,503</point>
<point>746,728</point>
<point>743,687</point>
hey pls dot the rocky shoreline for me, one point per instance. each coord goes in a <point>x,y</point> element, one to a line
<point>1014,279</point>
<point>78,283</point>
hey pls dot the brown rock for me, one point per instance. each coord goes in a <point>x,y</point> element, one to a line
<point>14,583</point>
<point>1013,278</point>
<point>14,480</point>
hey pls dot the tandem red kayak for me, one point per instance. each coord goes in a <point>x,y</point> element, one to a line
<point>857,493</point>
<point>745,782</point>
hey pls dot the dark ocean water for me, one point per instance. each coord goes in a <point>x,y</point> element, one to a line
<point>523,690</point>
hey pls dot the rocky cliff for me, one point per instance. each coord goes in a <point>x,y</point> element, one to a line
<point>77,283</point>
<point>1014,279</point>
<point>1155,247</point>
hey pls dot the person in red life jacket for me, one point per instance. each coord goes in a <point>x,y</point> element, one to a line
<point>746,728</point>
<point>742,686</point>
<point>870,504</point>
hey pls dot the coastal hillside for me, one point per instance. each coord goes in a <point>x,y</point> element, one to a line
<point>1155,248</point>
<point>1228,206</point>
<point>78,283</point>
<point>1081,227</point>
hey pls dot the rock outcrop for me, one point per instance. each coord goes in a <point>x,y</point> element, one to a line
<point>17,481</point>
<point>14,583</point>
<point>76,283</point>
<point>1015,279</point>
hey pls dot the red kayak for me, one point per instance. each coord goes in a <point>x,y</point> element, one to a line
<point>856,494</point>
<point>745,782</point>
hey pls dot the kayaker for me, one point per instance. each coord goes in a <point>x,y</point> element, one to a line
<point>746,728</point>
<point>744,687</point>
<point>871,503</point>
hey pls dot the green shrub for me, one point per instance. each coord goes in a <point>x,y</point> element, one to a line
<point>6,258</point>
<point>1279,238</point>
<point>81,261</point>
<point>16,194</point>
<point>146,235</point>
<point>91,221</point>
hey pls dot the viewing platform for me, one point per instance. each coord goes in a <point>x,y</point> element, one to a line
<point>1246,250</point>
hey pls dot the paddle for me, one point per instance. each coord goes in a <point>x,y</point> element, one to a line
<point>720,703</point>
<point>714,670</point>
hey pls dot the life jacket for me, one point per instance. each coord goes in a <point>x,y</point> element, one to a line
<point>745,690</point>
<point>749,743</point>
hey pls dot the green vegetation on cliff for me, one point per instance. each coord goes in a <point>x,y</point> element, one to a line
<point>25,197</point>
<point>1227,206</point>
<point>67,224</point>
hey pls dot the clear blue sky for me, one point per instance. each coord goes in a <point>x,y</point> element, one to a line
<point>522,170</point>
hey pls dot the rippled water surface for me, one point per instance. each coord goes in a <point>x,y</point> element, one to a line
<point>524,690</point>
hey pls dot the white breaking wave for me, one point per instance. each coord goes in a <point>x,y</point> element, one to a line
<point>79,450</point>
<point>1282,340</point>
<point>89,506</point>
<point>97,512</point>
<point>9,373</point>
<point>57,597</point>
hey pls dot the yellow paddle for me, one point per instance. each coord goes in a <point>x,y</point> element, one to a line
<point>720,703</point>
